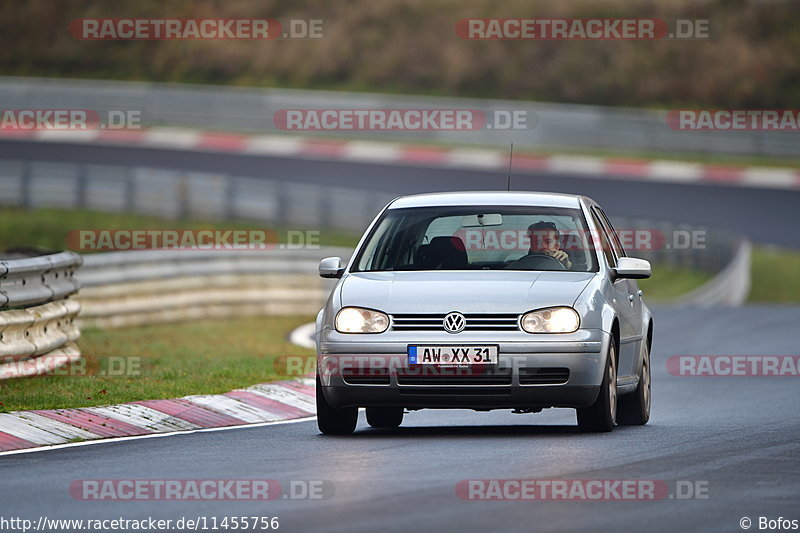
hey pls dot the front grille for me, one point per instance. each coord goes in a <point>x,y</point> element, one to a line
<point>447,391</point>
<point>474,322</point>
<point>543,376</point>
<point>439,379</point>
<point>453,380</point>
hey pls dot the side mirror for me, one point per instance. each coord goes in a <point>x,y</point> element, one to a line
<point>632,268</point>
<point>331,267</point>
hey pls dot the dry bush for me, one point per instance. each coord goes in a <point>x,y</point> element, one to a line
<point>410,46</point>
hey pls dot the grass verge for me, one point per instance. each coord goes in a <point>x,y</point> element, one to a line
<point>670,283</point>
<point>775,275</point>
<point>165,361</point>
<point>49,227</point>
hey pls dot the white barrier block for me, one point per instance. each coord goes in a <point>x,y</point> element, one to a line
<point>477,159</point>
<point>171,138</point>
<point>273,145</point>
<point>781,178</point>
<point>371,151</point>
<point>69,136</point>
<point>577,165</point>
<point>674,171</point>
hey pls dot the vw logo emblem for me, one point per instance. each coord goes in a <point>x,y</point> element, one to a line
<point>454,322</point>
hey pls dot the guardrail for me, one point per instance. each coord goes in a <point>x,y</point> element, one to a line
<point>152,287</point>
<point>551,126</point>
<point>182,193</point>
<point>728,288</point>
<point>722,253</point>
<point>37,280</point>
<point>37,318</point>
<point>678,245</point>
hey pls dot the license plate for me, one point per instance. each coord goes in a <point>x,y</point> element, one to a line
<point>452,355</point>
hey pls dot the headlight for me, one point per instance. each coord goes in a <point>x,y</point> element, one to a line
<point>358,320</point>
<point>551,320</point>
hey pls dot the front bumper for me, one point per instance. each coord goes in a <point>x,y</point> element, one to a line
<point>534,371</point>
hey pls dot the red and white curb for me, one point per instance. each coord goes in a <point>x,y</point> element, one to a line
<point>265,403</point>
<point>407,154</point>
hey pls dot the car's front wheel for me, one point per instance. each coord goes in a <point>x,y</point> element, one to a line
<point>602,414</point>
<point>634,408</point>
<point>333,421</point>
<point>384,417</point>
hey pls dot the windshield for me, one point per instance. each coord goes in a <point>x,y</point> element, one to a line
<point>478,238</point>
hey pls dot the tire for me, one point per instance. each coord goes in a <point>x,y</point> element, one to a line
<point>634,408</point>
<point>384,417</point>
<point>602,414</point>
<point>333,421</point>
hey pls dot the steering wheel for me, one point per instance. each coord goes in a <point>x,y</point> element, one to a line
<point>534,261</point>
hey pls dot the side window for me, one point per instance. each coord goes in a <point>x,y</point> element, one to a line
<point>604,242</point>
<point>615,242</point>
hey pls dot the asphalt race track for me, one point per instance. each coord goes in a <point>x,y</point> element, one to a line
<point>737,436</point>
<point>764,215</point>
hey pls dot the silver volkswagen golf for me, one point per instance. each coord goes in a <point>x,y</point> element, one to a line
<point>485,300</point>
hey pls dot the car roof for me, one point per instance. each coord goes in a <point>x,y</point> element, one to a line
<point>512,198</point>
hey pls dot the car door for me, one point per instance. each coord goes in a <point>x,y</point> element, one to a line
<point>634,294</point>
<point>622,299</point>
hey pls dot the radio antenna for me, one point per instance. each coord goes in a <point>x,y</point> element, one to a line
<point>510,159</point>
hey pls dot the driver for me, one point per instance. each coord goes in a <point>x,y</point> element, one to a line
<point>544,237</point>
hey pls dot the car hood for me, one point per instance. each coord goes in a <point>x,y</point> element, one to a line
<point>481,291</point>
